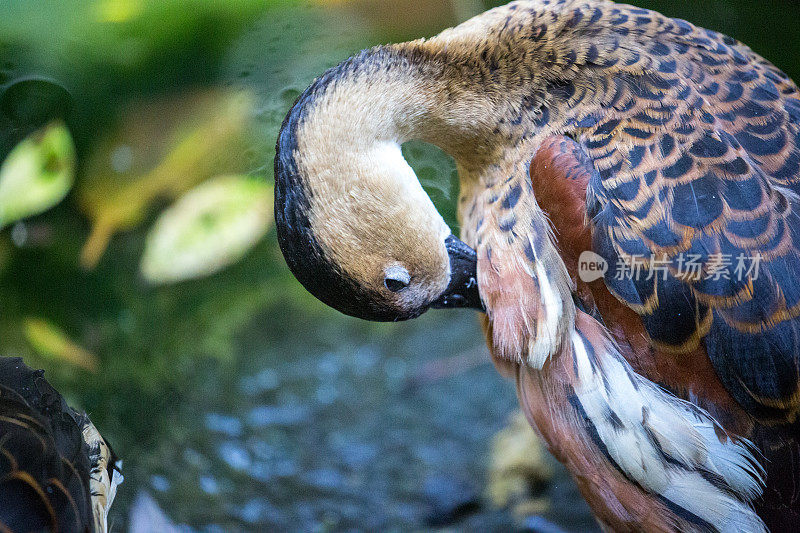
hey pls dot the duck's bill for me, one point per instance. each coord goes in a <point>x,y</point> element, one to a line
<point>462,292</point>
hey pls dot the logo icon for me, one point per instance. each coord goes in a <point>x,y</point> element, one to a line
<point>591,267</point>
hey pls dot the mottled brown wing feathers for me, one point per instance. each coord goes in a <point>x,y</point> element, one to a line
<point>694,173</point>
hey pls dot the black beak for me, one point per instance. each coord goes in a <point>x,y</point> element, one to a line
<point>462,292</point>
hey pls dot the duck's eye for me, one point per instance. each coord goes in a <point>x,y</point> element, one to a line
<point>396,278</point>
<point>394,285</point>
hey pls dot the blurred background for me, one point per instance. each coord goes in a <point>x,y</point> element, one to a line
<point>139,267</point>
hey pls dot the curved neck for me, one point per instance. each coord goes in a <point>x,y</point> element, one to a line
<point>395,94</point>
<point>504,78</point>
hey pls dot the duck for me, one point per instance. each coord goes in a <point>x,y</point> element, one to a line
<point>628,210</point>
<point>57,473</point>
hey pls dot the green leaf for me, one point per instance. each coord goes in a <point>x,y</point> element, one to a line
<point>50,341</point>
<point>210,227</point>
<point>161,149</point>
<point>37,174</point>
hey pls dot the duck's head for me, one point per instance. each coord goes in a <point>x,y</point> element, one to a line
<point>354,224</point>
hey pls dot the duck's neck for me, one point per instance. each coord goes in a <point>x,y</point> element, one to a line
<point>399,93</point>
<point>477,91</point>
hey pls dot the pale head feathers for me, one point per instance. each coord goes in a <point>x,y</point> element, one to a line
<point>369,213</point>
<point>348,205</point>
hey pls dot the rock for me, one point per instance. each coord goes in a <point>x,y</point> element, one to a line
<point>280,415</point>
<point>227,425</point>
<point>538,524</point>
<point>147,517</point>
<point>449,499</point>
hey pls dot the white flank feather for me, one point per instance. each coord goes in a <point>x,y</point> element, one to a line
<point>546,340</point>
<point>666,445</point>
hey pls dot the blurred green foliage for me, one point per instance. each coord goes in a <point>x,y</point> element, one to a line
<point>160,149</point>
<point>37,174</point>
<point>208,229</point>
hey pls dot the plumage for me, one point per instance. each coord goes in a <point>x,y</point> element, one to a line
<point>671,387</point>
<point>56,472</point>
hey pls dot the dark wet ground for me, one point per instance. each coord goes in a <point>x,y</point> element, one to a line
<point>369,435</point>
